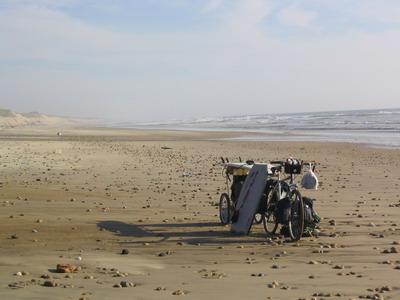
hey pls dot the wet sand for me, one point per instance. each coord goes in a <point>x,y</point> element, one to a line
<point>85,196</point>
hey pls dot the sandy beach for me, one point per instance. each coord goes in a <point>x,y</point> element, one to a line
<point>87,196</point>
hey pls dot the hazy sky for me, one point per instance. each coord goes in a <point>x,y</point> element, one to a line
<point>161,59</point>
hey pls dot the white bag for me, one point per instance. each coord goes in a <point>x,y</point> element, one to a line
<point>309,180</point>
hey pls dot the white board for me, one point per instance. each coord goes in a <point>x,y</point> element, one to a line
<point>249,198</point>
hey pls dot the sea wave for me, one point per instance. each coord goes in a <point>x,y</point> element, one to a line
<point>356,122</point>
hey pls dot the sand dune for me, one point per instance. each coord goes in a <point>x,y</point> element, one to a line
<point>10,119</point>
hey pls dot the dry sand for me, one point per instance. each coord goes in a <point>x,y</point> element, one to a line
<point>84,197</point>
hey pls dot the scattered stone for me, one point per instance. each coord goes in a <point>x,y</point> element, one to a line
<point>258,275</point>
<point>164,253</point>
<point>386,288</point>
<point>386,262</point>
<point>66,268</point>
<point>17,285</point>
<point>214,274</point>
<point>339,267</point>
<point>126,284</point>
<point>390,250</point>
<point>285,287</point>
<point>276,267</point>
<point>50,283</point>
<point>273,284</point>
<point>179,293</point>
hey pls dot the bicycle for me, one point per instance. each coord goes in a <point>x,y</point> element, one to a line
<point>283,201</point>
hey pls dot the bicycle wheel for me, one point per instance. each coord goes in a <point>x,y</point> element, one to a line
<point>269,221</point>
<point>224,209</point>
<point>296,221</point>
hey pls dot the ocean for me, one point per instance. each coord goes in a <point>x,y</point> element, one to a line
<point>379,127</point>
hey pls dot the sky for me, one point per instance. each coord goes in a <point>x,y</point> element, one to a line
<point>149,60</point>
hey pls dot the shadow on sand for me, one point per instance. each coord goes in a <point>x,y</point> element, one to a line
<point>191,233</point>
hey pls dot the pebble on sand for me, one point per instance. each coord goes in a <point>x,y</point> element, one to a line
<point>126,284</point>
<point>179,293</point>
<point>164,253</point>
<point>273,284</point>
<point>390,250</point>
<point>50,283</point>
<point>66,268</point>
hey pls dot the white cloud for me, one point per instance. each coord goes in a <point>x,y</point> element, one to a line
<point>243,23</point>
<point>212,5</point>
<point>378,10</point>
<point>38,33</point>
<point>294,15</point>
<point>39,3</point>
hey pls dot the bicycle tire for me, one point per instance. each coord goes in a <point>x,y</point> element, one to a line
<point>296,221</point>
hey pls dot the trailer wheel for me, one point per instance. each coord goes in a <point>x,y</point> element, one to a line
<point>269,221</point>
<point>225,209</point>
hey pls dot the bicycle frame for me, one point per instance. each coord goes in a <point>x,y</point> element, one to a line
<point>285,185</point>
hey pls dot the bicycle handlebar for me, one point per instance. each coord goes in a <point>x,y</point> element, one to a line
<point>279,164</point>
<point>282,162</point>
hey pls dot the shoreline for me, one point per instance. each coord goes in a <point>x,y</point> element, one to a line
<point>146,134</point>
